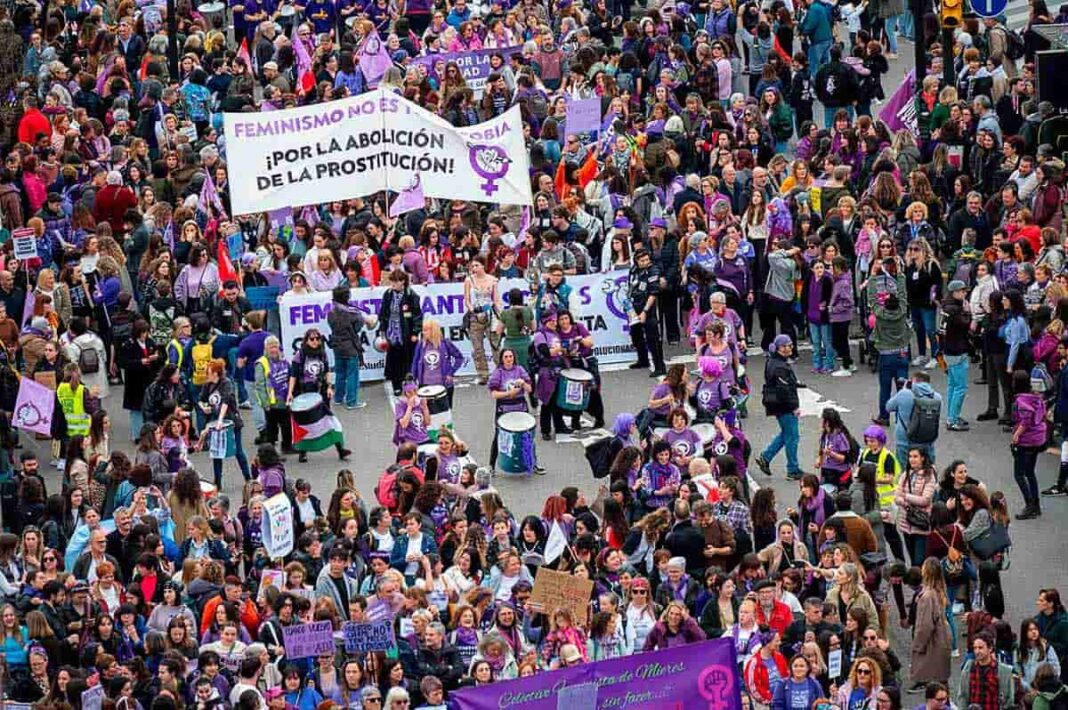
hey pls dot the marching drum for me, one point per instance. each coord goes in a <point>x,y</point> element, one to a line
<point>515,442</point>
<point>437,402</point>
<point>314,427</point>
<point>573,390</point>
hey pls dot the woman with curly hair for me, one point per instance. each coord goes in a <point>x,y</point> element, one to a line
<point>185,501</point>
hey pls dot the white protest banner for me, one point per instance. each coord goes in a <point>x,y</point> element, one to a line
<point>303,640</point>
<point>277,526</point>
<point>93,698</point>
<point>364,636</point>
<point>367,143</point>
<point>598,301</point>
<point>25,244</point>
<point>834,664</point>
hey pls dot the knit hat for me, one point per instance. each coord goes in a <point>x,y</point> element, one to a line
<point>781,341</point>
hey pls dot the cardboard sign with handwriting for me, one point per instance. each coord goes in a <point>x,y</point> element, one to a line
<point>554,590</point>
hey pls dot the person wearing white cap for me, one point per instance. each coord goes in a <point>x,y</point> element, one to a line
<point>780,401</point>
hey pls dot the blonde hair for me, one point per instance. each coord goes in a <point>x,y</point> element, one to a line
<point>433,332</point>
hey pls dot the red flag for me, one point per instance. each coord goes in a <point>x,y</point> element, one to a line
<point>560,181</point>
<point>226,266</point>
<point>242,53</point>
<point>589,169</point>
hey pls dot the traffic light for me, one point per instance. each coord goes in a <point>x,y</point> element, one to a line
<point>951,14</point>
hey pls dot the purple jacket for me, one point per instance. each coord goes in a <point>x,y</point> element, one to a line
<point>1029,411</point>
<point>415,266</point>
<point>448,362</point>
<point>841,308</point>
<point>660,637</point>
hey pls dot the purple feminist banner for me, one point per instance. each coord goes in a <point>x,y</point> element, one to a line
<point>584,115</point>
<point>474,65</point>
<point>304,640</point>
<point>900,111</point>
<point>34,407</point>
<point>701,675</point>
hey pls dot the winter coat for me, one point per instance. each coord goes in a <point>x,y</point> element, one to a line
<point>861,600</point>
<point>957,321</point>
<point>757,681</point>
<point>931,641</point>
<point>346,324</point>
<point>778,373</point>
<point>916,490</point>
<point>841,308</point>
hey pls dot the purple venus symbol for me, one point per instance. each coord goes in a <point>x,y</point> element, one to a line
<point>715,684</point>
<point>490,162</point>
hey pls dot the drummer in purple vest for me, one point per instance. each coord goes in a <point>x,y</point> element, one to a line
<point>436,359</point>
<point>509,386</point>
<point>411,416</point>
<point>578,343</point>
<point>550,359</point>
<point>309,372</point>
<point>271,390</point>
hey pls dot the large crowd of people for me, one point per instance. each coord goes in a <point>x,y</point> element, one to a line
<point>747,225</point>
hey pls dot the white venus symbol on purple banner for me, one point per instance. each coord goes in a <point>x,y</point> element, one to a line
<point>490,162</point>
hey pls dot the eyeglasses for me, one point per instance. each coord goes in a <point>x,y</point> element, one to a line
<point>863,671</point>
<point>313,339</point>
<point>641,592</point>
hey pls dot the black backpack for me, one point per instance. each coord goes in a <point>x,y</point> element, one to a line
<point>88,359</point>
<point>923,420</point>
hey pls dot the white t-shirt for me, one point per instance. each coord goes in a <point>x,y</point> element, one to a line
<point>239,689</point>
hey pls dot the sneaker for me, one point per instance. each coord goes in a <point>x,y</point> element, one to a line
<point>987,416</point>
<point>245,405</point>
<point>539,471</point>
<point>917,688</point>
<point>795,476</point>
<point>763,465</point>
<point>918,362</point>
<point>958,609</point>
<point>958,426</point>
<point>955,653</point>
<point>880,422</point>
<point>54,463</point>
<point>852,368</point>
<point>754,351</point>
<point>842,373</point>
<point>358,405</point>
<point>931,364</point>
<point>302,457</point>
<point>1055,490</point>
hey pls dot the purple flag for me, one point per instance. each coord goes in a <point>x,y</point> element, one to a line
<point>310,215</point>
<point>27,308</point>
<point>304,61</point>
<point>34,407</point>
<point>410,198</point>
<point>209,196</point>
<point>374,59</point>
<point>524,222</point>
<point>281,216</point>
<point>698,675</point>
<point>892,114</point>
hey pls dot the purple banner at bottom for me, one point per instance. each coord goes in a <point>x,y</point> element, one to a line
<point>696,676</point>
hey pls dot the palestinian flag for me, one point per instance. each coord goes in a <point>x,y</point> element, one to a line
<point>315,430</point>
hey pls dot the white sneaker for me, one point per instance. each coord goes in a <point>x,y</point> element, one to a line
<point>918,361</point>
<point>931,364</point>
<point>955,653</point>
<point>842,373</point>
<point>754,351</point>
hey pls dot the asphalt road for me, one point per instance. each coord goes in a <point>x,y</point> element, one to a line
<point>1038,557</point>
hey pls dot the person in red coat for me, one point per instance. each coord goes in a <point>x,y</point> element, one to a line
<point>112,201</point>
<point>757,670</point>
<point>33,122</point>
<point>771,612</point>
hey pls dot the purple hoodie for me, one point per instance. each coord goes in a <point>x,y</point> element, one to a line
<point>415,265</point>
<point>841,308</point>
<point>1029,411</point>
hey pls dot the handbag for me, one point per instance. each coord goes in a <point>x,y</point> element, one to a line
<point>917,518</point>
<point>993,540</point>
